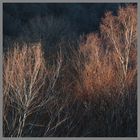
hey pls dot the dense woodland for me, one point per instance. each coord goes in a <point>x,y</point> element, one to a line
<point>51,23</point>
<point>70,70</point>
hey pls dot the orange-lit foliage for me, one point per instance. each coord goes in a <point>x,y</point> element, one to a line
<point>120,34</point>
<point>110,59</point>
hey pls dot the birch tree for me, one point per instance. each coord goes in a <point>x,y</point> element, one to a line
<point>121,33</point>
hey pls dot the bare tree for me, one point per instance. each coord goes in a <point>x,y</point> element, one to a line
<point>120,31</point>
<point>24,77</point>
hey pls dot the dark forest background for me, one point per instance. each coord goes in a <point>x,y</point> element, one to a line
<point>52,23</point>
